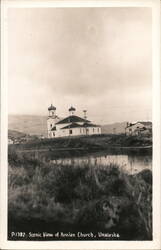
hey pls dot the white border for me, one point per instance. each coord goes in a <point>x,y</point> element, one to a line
<point>156,243</point>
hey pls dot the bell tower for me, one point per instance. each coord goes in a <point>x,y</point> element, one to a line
<point>51,120</point>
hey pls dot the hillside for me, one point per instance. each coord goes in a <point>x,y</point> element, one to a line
<point>15,134</point>
<point>36,125</point>
<point>114,128</point>
<point>29,124</point>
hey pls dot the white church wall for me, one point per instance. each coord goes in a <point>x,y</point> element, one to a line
<point>50,123</point>
<point>62,132</point>
<point>74,132</point>
<point>93,130</point>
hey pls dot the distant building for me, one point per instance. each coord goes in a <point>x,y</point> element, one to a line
<point>16,141</point>
<point>10,141</point>
<point>41,137</point>
<point>139,128</point>
<point>71,125</point>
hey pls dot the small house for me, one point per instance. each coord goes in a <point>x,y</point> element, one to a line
<point>139,128</point>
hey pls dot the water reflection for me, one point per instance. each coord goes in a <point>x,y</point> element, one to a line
<point>132,161</point>
<point>129,163</point>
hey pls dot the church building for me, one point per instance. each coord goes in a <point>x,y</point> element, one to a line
<point>71,125</point>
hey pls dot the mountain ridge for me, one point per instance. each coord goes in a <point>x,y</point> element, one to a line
<point>36,125</point>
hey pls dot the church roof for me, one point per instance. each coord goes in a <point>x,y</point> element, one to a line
<point>72,119</point>
<point>76,125</point>
<point>55,117</point>
<point>148,123</point>
<point>53,129</point>
<point>73,125</point>
<point>145,123</point>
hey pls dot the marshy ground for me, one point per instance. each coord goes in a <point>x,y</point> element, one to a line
<point>45,197</point>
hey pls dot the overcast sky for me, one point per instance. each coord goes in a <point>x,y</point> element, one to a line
<point>97,59</point>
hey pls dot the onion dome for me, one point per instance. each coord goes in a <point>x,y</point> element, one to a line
<point>51,107</point>
<point>72,109</point>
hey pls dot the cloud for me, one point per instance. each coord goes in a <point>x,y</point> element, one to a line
<point>93,57</point>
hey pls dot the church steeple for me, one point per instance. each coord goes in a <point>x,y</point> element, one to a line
<point>71,110</point>
<point>52,110</point>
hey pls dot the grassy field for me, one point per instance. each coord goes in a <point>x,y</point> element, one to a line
<point>94,142</point>
<point>45,197</point>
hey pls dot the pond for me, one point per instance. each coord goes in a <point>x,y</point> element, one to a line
<point>131,160</point>
<point>131,163</point>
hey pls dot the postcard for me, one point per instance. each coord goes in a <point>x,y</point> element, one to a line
<point>80,125</point>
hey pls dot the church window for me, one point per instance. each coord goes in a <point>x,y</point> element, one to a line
<point>51,125</point>
<point>93,130</point>
<point>70,131</point>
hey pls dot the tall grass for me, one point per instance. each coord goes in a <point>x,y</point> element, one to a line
<point>80,197</point>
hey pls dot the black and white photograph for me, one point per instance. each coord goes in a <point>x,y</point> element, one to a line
<point>80,123</point>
